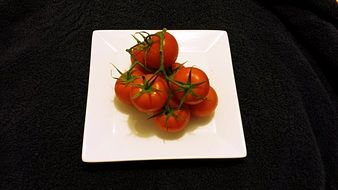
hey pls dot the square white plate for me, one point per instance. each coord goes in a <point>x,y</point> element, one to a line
<point>115,132</point>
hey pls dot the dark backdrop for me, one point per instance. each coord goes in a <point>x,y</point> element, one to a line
<point>285,57</point>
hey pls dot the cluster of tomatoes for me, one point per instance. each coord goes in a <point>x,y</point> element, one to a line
<point>157,85</point>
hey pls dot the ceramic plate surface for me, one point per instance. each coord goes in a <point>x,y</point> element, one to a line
<point>116,132</point>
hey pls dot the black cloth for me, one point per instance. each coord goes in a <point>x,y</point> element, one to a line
<point>285,58</point>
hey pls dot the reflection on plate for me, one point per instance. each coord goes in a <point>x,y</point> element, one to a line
<point>116,132</point>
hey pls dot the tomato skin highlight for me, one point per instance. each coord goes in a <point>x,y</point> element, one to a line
<point>207,106</point>
<point>198,92</point>
<point>149,100</point>
<point>174,122</point>
<point>123,86</point>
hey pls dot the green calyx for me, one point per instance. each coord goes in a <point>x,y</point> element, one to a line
<point>187,88</point>
<point>146,87</point>
<point>126,77</point>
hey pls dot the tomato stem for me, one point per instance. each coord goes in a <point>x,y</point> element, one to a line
<point>161,35</point>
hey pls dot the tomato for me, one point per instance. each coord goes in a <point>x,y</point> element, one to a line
<point>174,68</point>
<point>173,102</point>
<point>149,54</point>
<point>123,85</point>
<point>207,106</point>
<point>137,72</point>
<point>177,66</point>
<point>190,88</point>
<point>137,53</point>
<point>170,51</point>
<point>173,121</point>
<point>149,93</point>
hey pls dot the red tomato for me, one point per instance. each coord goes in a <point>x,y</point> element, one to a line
<point>207,106</point>
<point>191,89</point>
<point>148,96</point>
<point>123,85</point>
<point>149,54</point>
<point>173,103</point>
<point>177,66</point>
<point>174,68</point>
<point>170,51</point>
<point>137,72</point>
<point>174,121</point>
<point>137,53</point>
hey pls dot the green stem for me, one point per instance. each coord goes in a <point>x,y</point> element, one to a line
<point>161,35</point>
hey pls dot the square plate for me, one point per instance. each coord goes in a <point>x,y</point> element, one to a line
<point>115,132</point>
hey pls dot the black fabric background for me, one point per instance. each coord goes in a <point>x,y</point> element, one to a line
<point>285,58</point>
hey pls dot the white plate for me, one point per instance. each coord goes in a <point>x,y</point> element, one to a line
<point>115,132</point>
